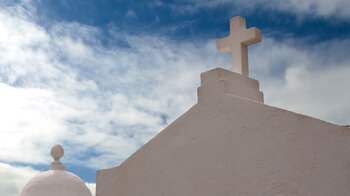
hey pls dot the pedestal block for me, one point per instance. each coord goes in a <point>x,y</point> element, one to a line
<point>218,82</point>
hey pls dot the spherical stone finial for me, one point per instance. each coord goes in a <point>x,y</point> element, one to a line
<point>57,152</point>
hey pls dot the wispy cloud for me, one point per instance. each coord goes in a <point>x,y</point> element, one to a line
<point>64,88</point>
<point>323,8</point>
<point>13,179</point>
<point>311,80</point>
<point>310,8</point>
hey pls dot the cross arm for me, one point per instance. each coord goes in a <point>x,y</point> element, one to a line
<point>223,45</point>
<point>251,36</point>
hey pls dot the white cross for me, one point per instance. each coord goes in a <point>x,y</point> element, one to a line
<point>237,43</point>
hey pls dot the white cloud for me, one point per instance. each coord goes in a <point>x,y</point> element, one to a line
<point>58,87</point>
<point>322,8</point>
<point>130,14</point>
<point>13,179</point>
<point>31,118</point>
<point>310,80</point>
<point>320,93</point>
<point>92,187</point>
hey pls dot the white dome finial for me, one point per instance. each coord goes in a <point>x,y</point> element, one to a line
<point>57,152</point>
<point>56,181</point>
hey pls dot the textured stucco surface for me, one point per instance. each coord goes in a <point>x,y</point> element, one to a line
<point>230,145</point>
<point>55,183</point>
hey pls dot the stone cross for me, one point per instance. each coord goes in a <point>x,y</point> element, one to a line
<point>237,43</point>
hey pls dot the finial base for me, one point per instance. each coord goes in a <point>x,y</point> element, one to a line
<point>57,165</point>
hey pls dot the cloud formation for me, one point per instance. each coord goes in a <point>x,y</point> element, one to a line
<point>13,179</point>
<point>311,80</point>
<point>300,8</point>
<point>62,85</point>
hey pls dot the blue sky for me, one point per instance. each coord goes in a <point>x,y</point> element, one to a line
<point>104,77</point>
